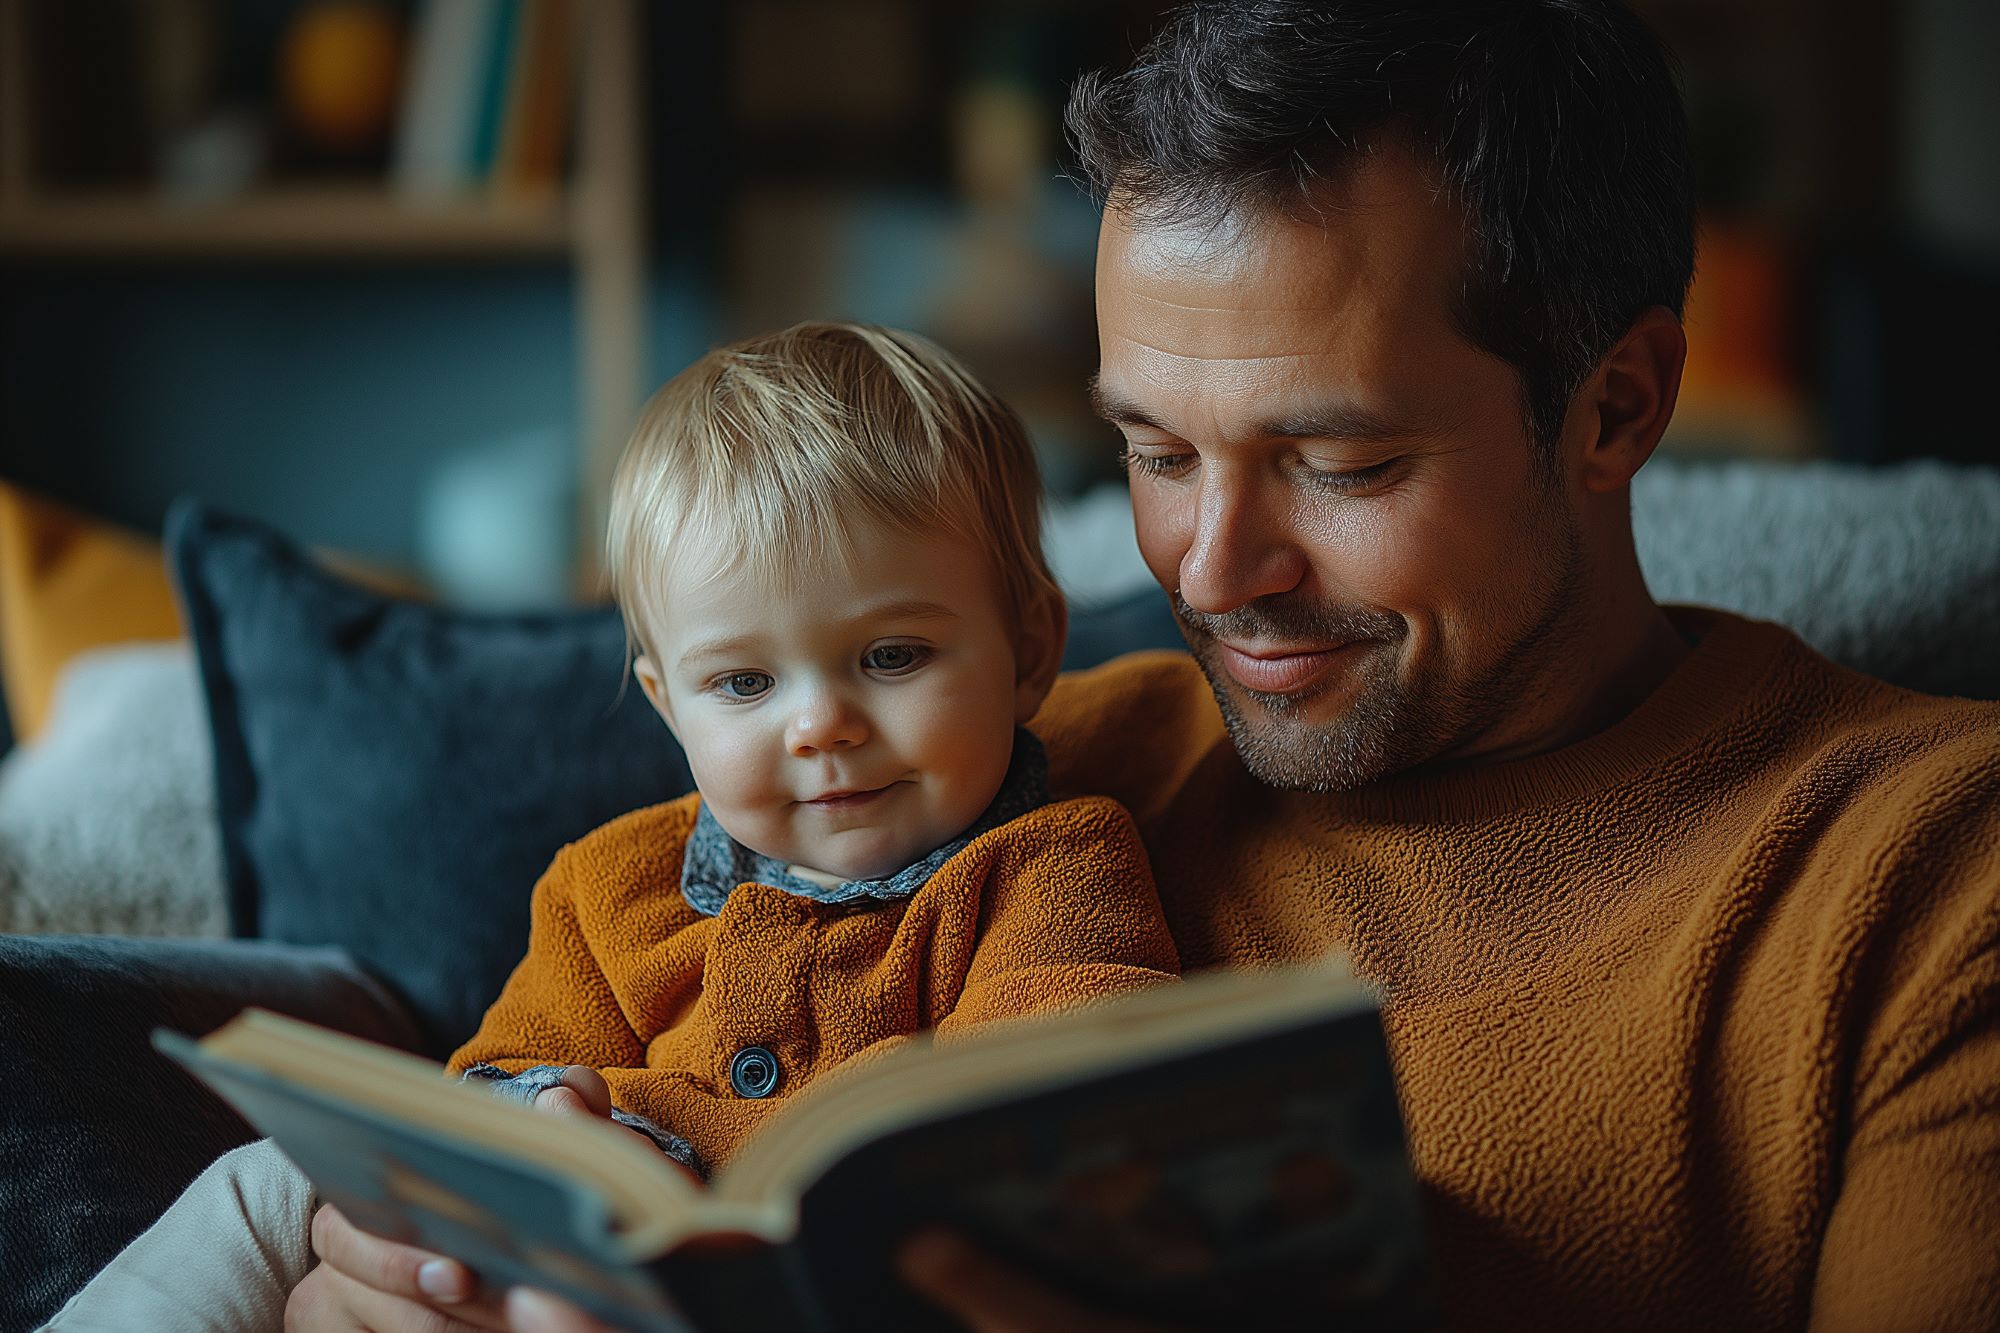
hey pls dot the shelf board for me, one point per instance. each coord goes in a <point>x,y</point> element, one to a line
<point>299,222</point>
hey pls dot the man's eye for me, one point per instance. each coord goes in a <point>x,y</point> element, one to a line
<point>1354,479</point>
<point>1154,465</point>
<point>744,684</point>
<point>893,659</point>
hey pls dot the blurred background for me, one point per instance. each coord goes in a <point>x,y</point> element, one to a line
<point>395,277</point>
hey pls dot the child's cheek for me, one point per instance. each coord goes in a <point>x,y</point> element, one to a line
<point>734,762</point>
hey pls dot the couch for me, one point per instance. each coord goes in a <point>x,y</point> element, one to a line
<point>388,777</point>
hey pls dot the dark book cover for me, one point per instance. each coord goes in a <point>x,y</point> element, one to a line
<point>1259,1185</point>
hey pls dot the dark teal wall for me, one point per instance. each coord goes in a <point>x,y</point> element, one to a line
<point>317,398</point>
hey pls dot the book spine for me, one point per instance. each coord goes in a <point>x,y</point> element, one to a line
<point>537,122</point>
<point>496,77</point>
<point>440,98</point>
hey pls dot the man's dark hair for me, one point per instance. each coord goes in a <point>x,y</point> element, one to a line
<point>1556,124</point>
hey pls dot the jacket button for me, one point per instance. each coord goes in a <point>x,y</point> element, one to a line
<point>754,1072</point>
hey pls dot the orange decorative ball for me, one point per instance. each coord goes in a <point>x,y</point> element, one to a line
<point>342,69</point>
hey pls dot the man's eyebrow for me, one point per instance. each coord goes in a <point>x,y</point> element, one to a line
<point>1119,411</point>
<point>1336,422</point>
<point>1333,421</point>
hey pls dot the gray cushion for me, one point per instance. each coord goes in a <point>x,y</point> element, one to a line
<point>102,1132</point>
<point>1892,571</point>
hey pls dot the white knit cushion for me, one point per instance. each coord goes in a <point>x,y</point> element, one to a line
<point>107,820</point>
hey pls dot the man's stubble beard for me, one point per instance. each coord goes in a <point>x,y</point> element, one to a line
<point>1392,724</point>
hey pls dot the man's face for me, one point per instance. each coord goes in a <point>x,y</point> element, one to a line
<point>1368,557</point>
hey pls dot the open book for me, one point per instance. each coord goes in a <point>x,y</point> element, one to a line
<point>1227,1152</point>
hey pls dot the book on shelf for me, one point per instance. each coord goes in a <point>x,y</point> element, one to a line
<point>487,100</point>
<point>534,130</point>
<point>490,92</point>
<point>438,122</point>
<point>1227,1152</point>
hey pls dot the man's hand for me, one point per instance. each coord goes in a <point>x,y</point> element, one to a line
<point>365,1282</point>
<point>538,1312</point>
<point>987,1296</point>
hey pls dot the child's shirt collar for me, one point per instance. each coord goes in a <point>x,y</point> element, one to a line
<point>716,863</point>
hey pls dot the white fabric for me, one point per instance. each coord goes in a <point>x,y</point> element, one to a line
<point>223,1259</point>
<point>107,819</point>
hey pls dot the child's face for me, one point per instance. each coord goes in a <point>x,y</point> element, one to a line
<point>851,722</point>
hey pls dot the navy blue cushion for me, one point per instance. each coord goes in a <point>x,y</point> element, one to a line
<point>392,777</point>
<point>1142,620</point>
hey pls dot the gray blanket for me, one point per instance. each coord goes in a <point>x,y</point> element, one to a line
<point>1894,572</point>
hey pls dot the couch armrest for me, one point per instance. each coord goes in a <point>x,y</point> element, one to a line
<point>102,1132</point>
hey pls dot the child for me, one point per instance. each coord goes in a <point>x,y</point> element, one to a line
<point>826,546</point>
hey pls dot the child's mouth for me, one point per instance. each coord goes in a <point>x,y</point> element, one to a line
<point>846,800</point>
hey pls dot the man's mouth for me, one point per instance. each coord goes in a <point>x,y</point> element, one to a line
<point>1281,668</point>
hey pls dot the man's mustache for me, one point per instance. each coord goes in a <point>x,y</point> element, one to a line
<point>1290,619</point>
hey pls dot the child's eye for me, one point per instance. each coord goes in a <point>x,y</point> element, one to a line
<point>744,684</point>
<point>894,658</point>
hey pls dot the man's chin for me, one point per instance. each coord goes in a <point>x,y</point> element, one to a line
<point>1337,734</point>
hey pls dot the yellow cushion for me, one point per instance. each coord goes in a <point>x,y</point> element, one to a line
<point>69,583</point>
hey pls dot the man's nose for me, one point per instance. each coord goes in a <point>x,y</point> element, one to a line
<point>825,720</point>
<point>1242,546</point>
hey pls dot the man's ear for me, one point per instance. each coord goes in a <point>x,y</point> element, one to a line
<point>656,694</point>
<point>1630,400</point>
<point>1038,651</point>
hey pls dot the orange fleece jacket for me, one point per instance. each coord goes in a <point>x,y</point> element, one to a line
<point>1697,1022</point>
<point>1049,910</point>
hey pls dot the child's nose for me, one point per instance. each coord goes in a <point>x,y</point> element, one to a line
<point>826,722</point>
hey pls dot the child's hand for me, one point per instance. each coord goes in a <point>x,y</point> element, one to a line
<point>584,1092</point>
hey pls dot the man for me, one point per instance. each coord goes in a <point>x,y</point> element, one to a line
<point>1688,936</point>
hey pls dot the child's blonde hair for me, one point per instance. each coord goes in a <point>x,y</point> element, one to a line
<point>769,449</point>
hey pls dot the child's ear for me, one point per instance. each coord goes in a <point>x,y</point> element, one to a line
<point>656,694</point>
<point>1038,653</point>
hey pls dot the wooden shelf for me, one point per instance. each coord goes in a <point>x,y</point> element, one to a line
<point>596,226</point>
<point>354,221</point>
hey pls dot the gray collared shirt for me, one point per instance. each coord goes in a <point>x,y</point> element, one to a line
<point>716,863</point>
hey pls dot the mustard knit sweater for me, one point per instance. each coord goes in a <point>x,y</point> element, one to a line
<point>1047,911</point>
<point>1696,1022</point>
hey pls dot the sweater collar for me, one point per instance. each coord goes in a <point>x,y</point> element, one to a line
<point>715,863</point>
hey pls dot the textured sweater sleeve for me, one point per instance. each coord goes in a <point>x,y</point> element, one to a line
<point>558,1007</point>
<point>1070,915</point>
<point>1913,1241</point>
